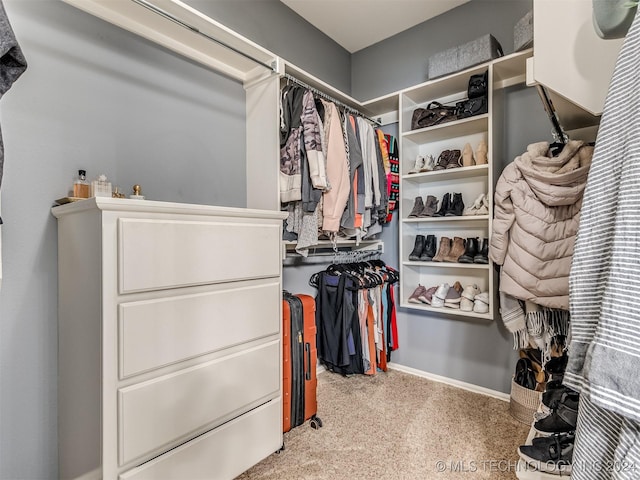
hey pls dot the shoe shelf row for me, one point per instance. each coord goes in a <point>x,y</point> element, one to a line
<point>471,180</point>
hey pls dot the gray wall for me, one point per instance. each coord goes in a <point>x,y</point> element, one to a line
<point>277,28</point>
<point>401,61</point>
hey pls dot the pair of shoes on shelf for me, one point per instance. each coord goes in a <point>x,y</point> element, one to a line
<point>423,164</point>
<point>450,250</point>
<point>449,159</point>
<point>473,300</point>
<point>447,296</point>
<point>552,454</point>
<point>481,157</point>
<point>424,209</point>
<point>422,295</point>
<point>452,205</point>
<point>424,248</point>
<point>474,252</point>
<point>480,206</point>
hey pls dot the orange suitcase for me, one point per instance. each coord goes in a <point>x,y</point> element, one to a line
<point>300,357</point>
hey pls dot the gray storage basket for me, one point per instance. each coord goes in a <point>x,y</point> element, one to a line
<point>467,55</point>
<point>523,33</point>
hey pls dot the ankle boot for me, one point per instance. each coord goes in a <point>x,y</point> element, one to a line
<point>430,207</point>
<point>418,166</point>
<point>443,251</point>
<point>456,206</point>
<point>481,153</point>
<point>483,253</point>
<point>470,251</point>
<point>429,250</point>
<point>457,249</point>
<point>444,205</point>
<point>418,206</point>
<point>417,248</point>
<point>443,160</point>
<point>455,159</point>
<point>467,156</point>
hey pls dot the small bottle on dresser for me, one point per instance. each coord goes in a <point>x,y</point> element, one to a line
<point>80,185</point>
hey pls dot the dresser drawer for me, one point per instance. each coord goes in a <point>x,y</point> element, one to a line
<point>167,409</point>
<point>159,254</point>
<point>223,453</point>
<point>158,332</point>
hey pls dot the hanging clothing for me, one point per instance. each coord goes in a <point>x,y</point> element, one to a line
<point>335,199</point>
<point>538,199</point>
<point>12,65</point>
<point>355,316</point>
<point>394,175</point>
<point>604,352</point>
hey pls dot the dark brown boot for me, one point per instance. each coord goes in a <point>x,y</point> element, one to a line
<point>417,248</point>
<point>443,251</point>
<point>457,249</point>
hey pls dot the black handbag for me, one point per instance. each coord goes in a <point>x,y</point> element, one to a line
<point>478,85</point>
<point>434,114</point>
<point>472,107</point>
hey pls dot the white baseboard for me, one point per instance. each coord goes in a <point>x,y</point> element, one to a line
<point>451,381</point>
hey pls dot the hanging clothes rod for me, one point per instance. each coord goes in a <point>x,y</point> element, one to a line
<point>330,98</point>
<point>176,20</point>
<point>558,133</point>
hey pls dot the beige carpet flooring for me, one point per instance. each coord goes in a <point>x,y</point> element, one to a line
<point>398,426</point>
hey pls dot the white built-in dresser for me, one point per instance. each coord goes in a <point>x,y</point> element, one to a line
<point>169,339</point>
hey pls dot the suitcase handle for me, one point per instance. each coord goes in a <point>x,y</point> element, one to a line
<point>307,349</point>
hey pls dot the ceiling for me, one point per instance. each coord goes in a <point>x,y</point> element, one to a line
<point>356,24</point>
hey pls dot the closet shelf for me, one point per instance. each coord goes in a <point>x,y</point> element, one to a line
<point>462,218</point>
<point>448,174</point>
<point>369,244</point>
<point>443,86</point>
<point>510,69</point>
<point>472,266</point>
<point>457,128</point>
<point>447,311</point>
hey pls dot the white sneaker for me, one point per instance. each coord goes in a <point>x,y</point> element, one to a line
<point>481,303</point>
<point>467,296</point>
<point>419,165</point>
<point>441,293</point>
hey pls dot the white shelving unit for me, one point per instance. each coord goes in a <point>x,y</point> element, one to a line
<point>470,181</point>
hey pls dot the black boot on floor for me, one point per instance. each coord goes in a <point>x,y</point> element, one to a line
<point>430,247</point>
<point>470,251</point>
<point>563,418</point>
<point>417,248</point>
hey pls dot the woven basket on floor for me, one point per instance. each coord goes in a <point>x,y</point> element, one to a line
<point>524,403</point>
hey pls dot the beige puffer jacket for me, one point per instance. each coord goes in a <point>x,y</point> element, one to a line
<point>537,210</point>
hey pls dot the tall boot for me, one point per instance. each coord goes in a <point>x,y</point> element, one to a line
<point>444,205</point>
<point>418,206</point>
<point>429,249</point>
<point>456,206</point>
<point>457,249</point>
<point>483,254</point>
<point>470,251</point>
<point>467,156</point>
<point>481,153</point>
<point>430,206</point>
<point>417,248</point>
<point>443,251</point>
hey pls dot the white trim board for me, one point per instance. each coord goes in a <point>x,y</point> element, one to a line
<point>505,397</point>
<point>451,381</point>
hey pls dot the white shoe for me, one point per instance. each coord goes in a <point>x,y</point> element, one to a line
<point>418,166</point>
<point>475,206</point>
<point>467,296</point>
<point>481,303</point>
<point>429,164</point>
<point>441,293</point>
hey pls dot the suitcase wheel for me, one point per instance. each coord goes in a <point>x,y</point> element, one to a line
<point>281,449</point>
<point>315,422</point>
